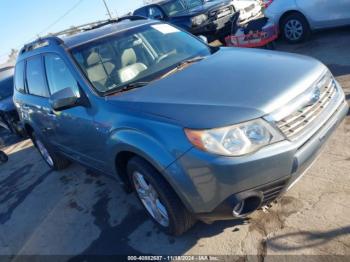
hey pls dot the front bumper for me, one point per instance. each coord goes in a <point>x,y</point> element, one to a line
<point>214,183</point>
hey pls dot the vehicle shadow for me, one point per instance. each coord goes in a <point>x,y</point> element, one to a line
<point>7,139</point>
<point>78,194</point>
<point>305,239</point>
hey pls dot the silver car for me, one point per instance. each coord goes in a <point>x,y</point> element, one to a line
<point>297,18</point>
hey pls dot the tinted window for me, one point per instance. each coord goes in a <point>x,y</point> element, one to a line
<point>19,77</point>
<point>58,74</point>
<point>35,77</point>
<point>6,88</point>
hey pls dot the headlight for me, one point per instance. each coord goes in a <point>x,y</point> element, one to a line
<point>236,140</point>
<point>199,19</point>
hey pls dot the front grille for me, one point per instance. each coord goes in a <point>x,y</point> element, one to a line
<point>223,12</point>
<point>272,191</point>
<point>296,122</point>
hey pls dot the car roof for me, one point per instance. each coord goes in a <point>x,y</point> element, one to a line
<point>91,35</point>
<point>85,35</point>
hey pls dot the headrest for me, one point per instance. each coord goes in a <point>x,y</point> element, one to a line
<point>93,59</point>
<point>128,57</point>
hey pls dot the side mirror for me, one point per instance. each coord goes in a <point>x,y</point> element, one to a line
<point>64,99</point>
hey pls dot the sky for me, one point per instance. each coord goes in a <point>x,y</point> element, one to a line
<point>22,20</point>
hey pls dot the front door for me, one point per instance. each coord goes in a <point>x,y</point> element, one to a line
<point>75,132</point>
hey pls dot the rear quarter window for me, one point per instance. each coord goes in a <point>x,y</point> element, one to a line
<point>19,77</point>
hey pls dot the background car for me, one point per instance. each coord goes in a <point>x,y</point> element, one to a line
<point>210,19</point>
<point>249,9</point>
<point>297,18</point>
<point>9,118</point>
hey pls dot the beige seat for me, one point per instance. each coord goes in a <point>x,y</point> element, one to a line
<point>98,72</point>
<point>130,67</point>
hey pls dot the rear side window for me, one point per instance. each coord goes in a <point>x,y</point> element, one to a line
<point>58,75</point>
<point>35,77</point>
<point>19,77</point>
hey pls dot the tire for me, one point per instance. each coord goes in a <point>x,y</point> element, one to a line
<point>179,218</point>
<point>295,28</point>
<point>52,159</point>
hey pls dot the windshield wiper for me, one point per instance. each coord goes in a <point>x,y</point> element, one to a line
<point>183,64</point>
<point>131,86</point>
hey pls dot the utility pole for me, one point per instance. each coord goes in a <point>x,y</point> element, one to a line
<point>108,12</point>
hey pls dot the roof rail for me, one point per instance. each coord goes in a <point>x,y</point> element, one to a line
<point>54,39</point>
<point>40,42</point>
<point>112,21</point>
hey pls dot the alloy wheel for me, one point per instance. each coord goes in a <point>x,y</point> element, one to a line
<point>150,199</point>
<point>293,30</point>
<point>44,153</point>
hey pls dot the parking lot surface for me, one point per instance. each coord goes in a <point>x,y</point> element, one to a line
<point>78,212</point>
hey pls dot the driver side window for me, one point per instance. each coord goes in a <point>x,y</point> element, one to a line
<point>58,75</point>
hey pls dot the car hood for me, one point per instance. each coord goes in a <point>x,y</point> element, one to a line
<point>231,86</point>
<point>7,104</point>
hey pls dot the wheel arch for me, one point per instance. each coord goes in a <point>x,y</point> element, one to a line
<point>132,143</point>
<point>28,129</point>
<point>290,12</point>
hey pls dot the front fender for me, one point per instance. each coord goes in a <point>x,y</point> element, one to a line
<point>134,141</point>
<point>155,153</point>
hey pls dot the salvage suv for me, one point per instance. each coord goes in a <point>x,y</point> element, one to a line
<point>198,132</point>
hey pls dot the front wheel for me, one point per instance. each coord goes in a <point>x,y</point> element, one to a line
<point>51,158</point>
<point>158,198</point>
<point>295,28</point>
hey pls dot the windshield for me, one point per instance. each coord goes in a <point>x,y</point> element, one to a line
<point>142,54</point>
<point>193,3</point>
<point>6,88</point>
<point>173,8</point>
<point>177,7</point>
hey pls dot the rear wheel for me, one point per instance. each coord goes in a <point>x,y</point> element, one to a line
<point>295,28</point>
<point>51,158</point>
<point>158,198</point>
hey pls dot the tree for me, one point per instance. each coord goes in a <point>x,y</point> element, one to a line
<point>12,56</point>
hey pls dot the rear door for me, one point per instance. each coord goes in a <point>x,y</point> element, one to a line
<point>323,14</point>
<point>35,106</point>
